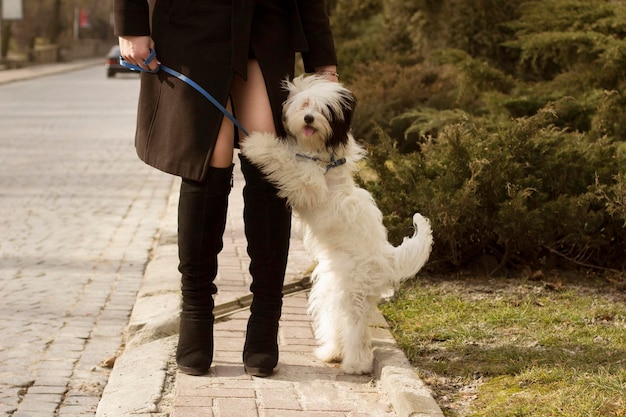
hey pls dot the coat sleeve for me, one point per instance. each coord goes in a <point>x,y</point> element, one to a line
<point>320,49</point>
<point>131,17</point>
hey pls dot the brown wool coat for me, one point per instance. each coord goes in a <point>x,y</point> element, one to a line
<point>209,41</point>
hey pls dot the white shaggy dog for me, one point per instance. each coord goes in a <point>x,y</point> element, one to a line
<point>313,169</point>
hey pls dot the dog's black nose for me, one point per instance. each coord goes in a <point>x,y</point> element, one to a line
<point>308,119</point>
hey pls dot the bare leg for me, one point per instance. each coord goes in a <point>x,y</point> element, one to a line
<point>223,152</point>
<point>252,102</point>
<point>253,112</point>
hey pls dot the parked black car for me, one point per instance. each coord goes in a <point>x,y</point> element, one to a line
<point>113,65</point>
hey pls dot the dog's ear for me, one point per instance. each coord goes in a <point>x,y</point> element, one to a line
<point>342,122</point>
<point>295,85</point>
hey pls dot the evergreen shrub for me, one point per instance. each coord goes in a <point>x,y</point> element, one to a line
<point>504,122</point>
<point>528,194</point>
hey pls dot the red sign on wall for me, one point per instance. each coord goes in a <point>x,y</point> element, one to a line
<point>84,18</point>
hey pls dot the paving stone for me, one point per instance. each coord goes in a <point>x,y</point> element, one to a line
<point>44,403</point>
<point>299,413</point>
<point>236,407</point>
<point>192,412</point>
<point>193,401</point>
<point>78,210</point>
<point>283,399</point>
<point>38,413</point>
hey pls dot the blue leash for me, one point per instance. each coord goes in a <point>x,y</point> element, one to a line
<point>187,80</point>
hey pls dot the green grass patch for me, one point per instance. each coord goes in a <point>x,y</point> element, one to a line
<point>512,347</point>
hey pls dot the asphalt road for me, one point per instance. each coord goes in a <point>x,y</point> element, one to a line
<point>78,216</point>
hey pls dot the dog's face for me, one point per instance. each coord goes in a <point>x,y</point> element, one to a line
<point>318,113</point>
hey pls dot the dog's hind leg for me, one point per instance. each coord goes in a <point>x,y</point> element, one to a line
<point>357,350</point>
<point>322,302</point>
<point>330,342</point>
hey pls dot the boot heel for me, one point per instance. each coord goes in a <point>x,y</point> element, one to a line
<point>260,352</point>
<point>194,353</point>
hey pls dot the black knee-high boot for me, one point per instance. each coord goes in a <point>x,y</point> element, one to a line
<point>268,226</point>
<point>201,221</point>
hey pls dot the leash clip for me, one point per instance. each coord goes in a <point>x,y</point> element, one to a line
<point>334,163</point>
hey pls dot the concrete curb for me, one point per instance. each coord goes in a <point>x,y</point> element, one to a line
<point>35,71</point>
<point>408,394</point>
<point>137,382</point>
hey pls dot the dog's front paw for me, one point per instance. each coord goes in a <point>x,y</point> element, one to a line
<point>260,149</point>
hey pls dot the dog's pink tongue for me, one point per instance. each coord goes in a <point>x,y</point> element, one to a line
<point>308,131</point>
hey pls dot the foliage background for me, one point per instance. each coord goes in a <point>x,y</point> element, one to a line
<point>503,122</point>
<point>47,22</point>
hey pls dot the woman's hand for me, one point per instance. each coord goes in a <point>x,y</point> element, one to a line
<point>328,72</point>
<point>136,49</point>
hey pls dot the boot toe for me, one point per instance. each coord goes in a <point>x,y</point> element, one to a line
<point>258,371</point>
<point>260,364</point>
<point>193,371</point>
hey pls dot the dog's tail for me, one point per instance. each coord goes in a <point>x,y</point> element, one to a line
<point>414,251</point>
